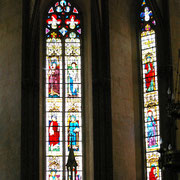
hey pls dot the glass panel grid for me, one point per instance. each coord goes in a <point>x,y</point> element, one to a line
<point>63,89</point>
<point>151,101</point>
<point>150,93</point>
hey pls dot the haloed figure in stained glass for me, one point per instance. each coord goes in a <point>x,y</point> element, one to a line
<point>149,73</point>
<point>153,174</point>
<point>54,78</point>
<point>74,132</point>
<point>54,133</point>
<point>151,129</point>
<point>73,77</point>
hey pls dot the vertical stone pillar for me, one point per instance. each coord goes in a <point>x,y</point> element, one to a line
<point>30,93</point>
<point>101,91</point>
<point>124,95</point>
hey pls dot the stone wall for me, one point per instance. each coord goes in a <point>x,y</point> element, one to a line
<point>124,76</point>
<point>174,6</point>
<point>123,65</point>
<point>10,88</point>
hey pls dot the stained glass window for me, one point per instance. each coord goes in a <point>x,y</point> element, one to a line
<point>150,91</point>
<point>63,89</point>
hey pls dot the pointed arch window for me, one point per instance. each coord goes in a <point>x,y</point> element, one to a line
<point>63,85</point>
<point>150,91</point>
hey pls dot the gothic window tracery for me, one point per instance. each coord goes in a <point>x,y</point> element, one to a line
<point>150,91</point>
<point>63,89</point>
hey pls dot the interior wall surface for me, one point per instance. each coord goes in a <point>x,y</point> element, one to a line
<point>174,12</point>
<point>10,87</point>
<point>174,8</point>
<point>124,90</point>
<point>159,4</point>
<point>85,8</point>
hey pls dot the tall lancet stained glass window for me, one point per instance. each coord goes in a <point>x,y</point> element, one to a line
<point>150,91</point>
<point>63,89</point>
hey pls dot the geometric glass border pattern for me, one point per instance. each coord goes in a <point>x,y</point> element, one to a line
<point>63,89</point>
<point>150,92</point>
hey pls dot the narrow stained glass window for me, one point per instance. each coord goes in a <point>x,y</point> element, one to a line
<point>63,89</point>
<point>150,91</point>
